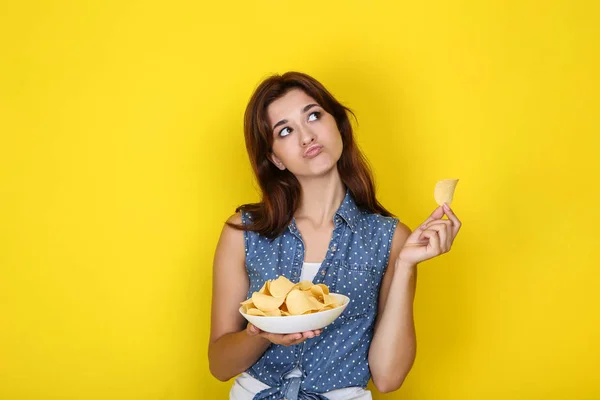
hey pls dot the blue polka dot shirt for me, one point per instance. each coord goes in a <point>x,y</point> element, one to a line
<point>354,265</point>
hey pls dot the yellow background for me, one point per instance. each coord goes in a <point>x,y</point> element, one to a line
<point>122,154</point>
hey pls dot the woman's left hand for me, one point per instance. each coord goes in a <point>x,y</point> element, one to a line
<point>432,238</point>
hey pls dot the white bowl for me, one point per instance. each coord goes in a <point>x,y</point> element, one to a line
<point>298,323</point>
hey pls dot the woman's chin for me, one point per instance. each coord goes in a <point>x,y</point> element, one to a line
<point>321,171</point>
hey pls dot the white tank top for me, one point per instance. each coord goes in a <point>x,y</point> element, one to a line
<point>245,387</point>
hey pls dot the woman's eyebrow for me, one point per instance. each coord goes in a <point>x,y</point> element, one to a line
<point>305,109</point>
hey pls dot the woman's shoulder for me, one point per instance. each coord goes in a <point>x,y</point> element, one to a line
<point>235,218</point>
<point>371,218</point>
<point>373,223</point>
<point>245,219</point>
<point>246,214</point>
<point>233,228</point>
<point>230,246</point>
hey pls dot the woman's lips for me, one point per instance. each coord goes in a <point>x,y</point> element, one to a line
<point>313,151</point>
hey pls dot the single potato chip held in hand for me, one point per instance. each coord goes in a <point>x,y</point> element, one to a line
<point>444,191</point>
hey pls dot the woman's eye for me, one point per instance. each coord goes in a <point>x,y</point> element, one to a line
<point>283,133</point>
<point>286,131</point>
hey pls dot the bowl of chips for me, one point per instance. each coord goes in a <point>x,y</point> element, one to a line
<point>282,306</point>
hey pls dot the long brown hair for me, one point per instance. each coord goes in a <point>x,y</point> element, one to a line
<point>280,189</point>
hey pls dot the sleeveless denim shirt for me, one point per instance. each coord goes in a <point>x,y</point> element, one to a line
<point>354,265</point>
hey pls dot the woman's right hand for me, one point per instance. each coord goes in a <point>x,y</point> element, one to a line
<point>285,340</point>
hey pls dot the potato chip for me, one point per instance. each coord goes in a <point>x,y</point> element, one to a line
<point>265,288</point>
<point>255,311</point>
<point>298,303</point>
<point>323,287</point>
<point>444,191</point>
<point>281,297</point>
<point>246,305</point>
<point>317,292</point>
<point>317,305</point>
<point>249,301</point>
<point>329,299</point>
<point>280,287</point>
<point>303,285</point>
<point>274,313</point>
<point>266,303</point>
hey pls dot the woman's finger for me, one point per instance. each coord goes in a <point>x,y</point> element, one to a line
<point>287,340</point>
<point>293,342</point>
<point>444,229</point>
<point>283,339</point>
<point>292,337</point>
<point>456,224</point>
<point>434,239</point>
<point>436,214</point>
<point>442,237</point>
<point>440,221</point>
<point>252,330</point>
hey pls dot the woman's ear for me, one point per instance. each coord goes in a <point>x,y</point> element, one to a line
<point>276,161</point>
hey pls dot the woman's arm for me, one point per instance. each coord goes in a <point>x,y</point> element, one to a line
<point>394,344</point>
<point>235,344</point>
<point>393,349</point>
<point>231,350</point>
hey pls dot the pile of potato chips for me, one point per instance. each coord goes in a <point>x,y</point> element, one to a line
<point>280,297</point>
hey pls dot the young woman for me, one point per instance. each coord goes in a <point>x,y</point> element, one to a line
<point>318,220</point>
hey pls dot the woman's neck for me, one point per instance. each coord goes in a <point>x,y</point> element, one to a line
<point>320,199</point>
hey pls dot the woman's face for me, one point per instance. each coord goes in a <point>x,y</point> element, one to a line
<point>306,139</point>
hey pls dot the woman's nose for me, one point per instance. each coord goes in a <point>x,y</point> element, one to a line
<point>307,138</point>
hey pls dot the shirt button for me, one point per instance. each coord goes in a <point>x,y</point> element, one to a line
<point>332,248</point>
<point>295,273</point>
<point>323,272</point>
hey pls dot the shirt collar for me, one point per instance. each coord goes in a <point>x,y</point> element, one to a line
<point>348,211</point>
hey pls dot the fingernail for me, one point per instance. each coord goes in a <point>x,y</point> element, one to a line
<point>446,206</point>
